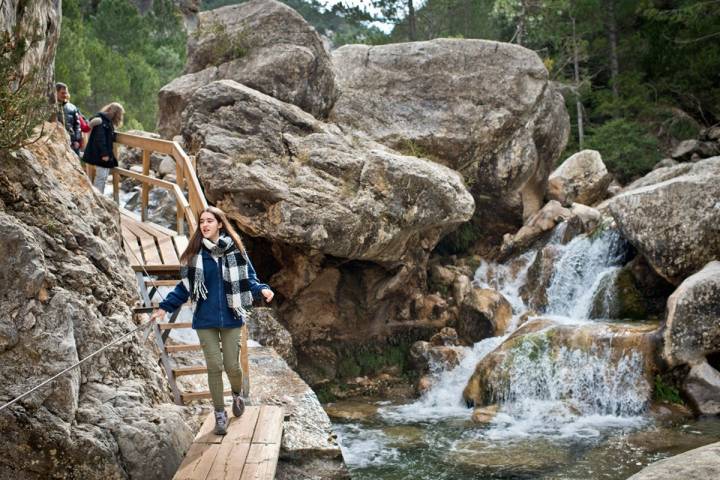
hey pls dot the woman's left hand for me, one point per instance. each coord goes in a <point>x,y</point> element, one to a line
<point>268,294</point>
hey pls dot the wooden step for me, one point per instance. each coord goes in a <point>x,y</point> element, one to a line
<point>190,396</point>
<point>161,283</point>
<point>195,370</point>
<point>168,326</point>
<point>183,348</point>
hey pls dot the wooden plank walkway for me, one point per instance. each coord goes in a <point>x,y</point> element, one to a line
<point>158,248</point>
<point>249,451</point>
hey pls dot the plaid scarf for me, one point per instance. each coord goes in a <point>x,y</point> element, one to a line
<point>234,272</point>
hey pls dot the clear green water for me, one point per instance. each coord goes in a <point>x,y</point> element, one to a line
<point>456,449</point>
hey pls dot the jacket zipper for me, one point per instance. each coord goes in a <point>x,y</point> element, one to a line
<point>220,293</point>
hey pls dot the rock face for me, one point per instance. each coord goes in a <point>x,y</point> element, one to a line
<point>672,217</point>
<point>482,108</point>
<point>263,44</point>
<point>698,464</point>
<point>581,178</point>
<point>285,176</point>
<point>692,330</point>
<point>66,290</point>
<point>39,15</point>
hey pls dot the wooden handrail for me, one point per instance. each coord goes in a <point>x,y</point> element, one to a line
<point>182,204</point>
<point>189,208</point>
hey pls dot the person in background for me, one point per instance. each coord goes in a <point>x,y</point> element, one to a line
<point>69,116</point>
<point>99,150</point>
<point>219,278</point>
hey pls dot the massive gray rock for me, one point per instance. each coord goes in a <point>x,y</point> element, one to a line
<point>692,330</point>
<point>699,464</point>
<point>67,288</point>
<point>348,222</point>
<point>287,177</point>
<point>483,108</point>
<point>672,217</point>
<point>582,178</point>
<point>263,44</point>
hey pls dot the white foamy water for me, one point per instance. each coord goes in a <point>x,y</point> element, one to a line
<point>581,267</point>
<point>365,447</point>
<point>444,399</point>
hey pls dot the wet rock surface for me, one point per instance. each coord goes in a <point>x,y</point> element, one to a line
<point>698,464</point>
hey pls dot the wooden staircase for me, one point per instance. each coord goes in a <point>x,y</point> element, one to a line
<point>154,252</point>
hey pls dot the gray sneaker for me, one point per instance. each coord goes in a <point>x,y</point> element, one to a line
<point>238,405</point>
<point>221,422</point>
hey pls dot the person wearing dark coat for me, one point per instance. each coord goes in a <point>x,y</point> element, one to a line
<point>69,116</point>
<point>99,150</point>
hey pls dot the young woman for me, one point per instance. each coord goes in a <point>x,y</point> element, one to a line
<point>99,150</point>
<point>218,276</point>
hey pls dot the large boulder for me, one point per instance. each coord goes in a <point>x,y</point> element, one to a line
<point>671,217</point>
<point>582,178</point>
<point>263,44</point>
<point>484,313</point>
<point>702,389</point>
<point>345,224</point>
<point>698,464</point>
<point>67,291</point>
<point>480,107</point>
<point>692,329</point>
<point>289,178</point>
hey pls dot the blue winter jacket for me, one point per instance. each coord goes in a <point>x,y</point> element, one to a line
<point>212,312</point>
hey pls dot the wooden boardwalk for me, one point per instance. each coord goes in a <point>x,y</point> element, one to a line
<point>251,447</point>
<point>157,247</point>
<point>249,451</point>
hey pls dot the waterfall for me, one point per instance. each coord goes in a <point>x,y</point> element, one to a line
<point>582,266</point>
<point>549,389</point>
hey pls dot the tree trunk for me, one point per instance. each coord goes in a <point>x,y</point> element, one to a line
<point>612,34</point>
<point>578,103</point>
<point>520,31</point>
<point>412,28</point>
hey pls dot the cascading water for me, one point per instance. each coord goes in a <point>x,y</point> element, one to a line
<point>567,398</point>
<point>547,390</point>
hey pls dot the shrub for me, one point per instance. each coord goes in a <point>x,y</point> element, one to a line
<point>627,149</point>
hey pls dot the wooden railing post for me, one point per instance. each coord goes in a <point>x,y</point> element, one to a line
<point>116,186</point>
<point>145,196</point>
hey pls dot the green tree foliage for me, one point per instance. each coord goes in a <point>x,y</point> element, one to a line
<point>109,52</point>
<point>23,103</point>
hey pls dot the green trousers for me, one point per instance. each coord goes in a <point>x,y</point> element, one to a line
<point>210,339</point>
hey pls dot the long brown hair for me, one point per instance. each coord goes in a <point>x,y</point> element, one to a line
<point>195,243</point>
<point>115,113</point>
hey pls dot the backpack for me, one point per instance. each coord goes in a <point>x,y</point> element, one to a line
<point>84,125</point>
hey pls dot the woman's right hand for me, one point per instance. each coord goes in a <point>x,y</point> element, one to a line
<point>157,314</point>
